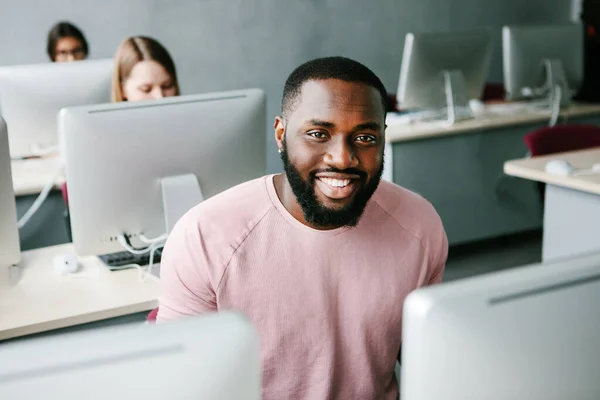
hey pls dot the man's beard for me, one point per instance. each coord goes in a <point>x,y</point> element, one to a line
<point>316,213</point>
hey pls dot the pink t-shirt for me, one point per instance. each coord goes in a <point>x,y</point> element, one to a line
<point>327,304</point>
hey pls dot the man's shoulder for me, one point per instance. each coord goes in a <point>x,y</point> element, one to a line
<point>232,211</point>
<point>411,211</point>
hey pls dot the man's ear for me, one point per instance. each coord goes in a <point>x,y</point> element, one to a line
<point>279,128</point>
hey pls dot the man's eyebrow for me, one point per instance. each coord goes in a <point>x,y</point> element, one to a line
<point>318,122</point>
<point>368,126</point>
<point>364,126</point>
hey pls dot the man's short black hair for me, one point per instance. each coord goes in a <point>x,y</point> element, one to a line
<point>341,68</point>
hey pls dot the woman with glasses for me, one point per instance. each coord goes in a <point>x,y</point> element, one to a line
<point>66,43</point>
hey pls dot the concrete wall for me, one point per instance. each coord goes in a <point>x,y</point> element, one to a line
<point>219,45</point>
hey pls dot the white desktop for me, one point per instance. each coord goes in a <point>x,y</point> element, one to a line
<point>441,72</point>
<point>543,61</point>
<point>528,333</point>
<point>32,95</point>
<point>208,357</point>
<point>133,169</point>
<point>10,251</point>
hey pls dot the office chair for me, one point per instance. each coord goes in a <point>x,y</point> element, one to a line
<point>151,318</point>
<point>560,139</point>
<point>493,92</point>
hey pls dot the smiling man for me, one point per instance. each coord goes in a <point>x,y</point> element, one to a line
<point>320,258</point>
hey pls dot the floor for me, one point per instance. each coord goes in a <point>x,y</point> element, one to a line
<point>493,255</point>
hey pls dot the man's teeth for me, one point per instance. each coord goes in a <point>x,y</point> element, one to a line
<point>336,182</point>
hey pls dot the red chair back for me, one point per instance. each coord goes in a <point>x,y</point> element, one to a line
<point>558,139</point>
<point>493,92</point>
<point>65,195</point>
<point>562,138</point>
<point>152,315</point>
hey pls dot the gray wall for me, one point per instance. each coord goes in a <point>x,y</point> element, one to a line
<point>219,45</point>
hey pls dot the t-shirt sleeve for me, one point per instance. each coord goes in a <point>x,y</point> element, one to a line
<point>185,278</point>
<point>438,255</point>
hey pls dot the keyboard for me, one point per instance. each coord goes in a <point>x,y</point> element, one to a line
<point>118,260</point>
<point>516,108</point>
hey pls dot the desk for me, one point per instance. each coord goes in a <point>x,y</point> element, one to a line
<point>43,300</point>
<point>459,169</point>
<point>572,203</point>
<point>48,226</point>
<point>494,117</point>
<point>32,175</point>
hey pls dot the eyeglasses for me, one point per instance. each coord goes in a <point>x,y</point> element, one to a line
<point>76,53</point>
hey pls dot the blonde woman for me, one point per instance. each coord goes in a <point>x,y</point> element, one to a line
<point>144,70</point>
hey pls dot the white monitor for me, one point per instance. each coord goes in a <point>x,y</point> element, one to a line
<point>538,59</point>
<point>135,168</point>
<point>10,250</point>
<point>32,95</point>
<point>208,357</point>
<point>444,70</point>
<point>529,333</point>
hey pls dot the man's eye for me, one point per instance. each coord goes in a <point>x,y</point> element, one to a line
<point>318,135</point>
<point>366,139</point>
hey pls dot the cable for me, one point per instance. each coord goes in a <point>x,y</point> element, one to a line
<point>555,104</point>
<point>158,239</point>
<point>39,200</point>
<point>158,243</point>
<point>128,266</point>
<point>124,242</point>
<point>150,263</point>
<point>591,171</point>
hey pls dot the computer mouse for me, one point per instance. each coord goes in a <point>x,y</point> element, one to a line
<point>476,105</point>
<point>65,264</point>
<point>559,167</point>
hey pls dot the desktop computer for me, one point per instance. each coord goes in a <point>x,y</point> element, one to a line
<point>441,72</point>
<point>32,95</point>
<point>10,250</point>
<point>527,333</point>
<point>207,357</point>
<point>544,61</point>
<point>133,169</point>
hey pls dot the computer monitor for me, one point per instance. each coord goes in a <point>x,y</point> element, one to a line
<point>32,95</point>
<point>207,357</point>
<point>539,60</point>
<point>527,333</point>
<point>10,250</point>
<point>134,169</point>
<point>444,71</point>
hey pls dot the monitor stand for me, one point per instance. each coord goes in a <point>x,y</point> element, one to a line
<point>10,275</point>
<point>556,83</point>
<point>555,87</point>
<point>457,102</point>
<point>179,194</point>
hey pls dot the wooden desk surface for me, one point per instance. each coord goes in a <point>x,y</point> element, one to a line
<point>493,117</point>
<point>32,175</point>
<point>534,169</point>
<point>43,300</point>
